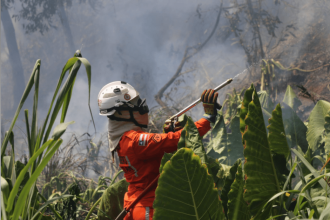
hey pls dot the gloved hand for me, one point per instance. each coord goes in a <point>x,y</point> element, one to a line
<point>167,127</point>
<point>209,98</point>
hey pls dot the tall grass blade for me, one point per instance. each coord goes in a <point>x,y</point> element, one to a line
<point>20,105</point>
<point>89,77</point>
<point>114,178</point>
<point>22,197</point>
<point>66,102</point>
<point>35,109</point>
<point>61,96</point>
<point>60,129</point>
<point>92,209</point>
<point>66,67</point>
<point>28,134</point>
<point>20,178</point>
<point>313,171</point>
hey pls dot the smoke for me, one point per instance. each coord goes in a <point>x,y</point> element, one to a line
<point>142,42</point>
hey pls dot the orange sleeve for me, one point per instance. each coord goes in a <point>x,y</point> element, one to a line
<point>203,126</point>
<point>150,145</point>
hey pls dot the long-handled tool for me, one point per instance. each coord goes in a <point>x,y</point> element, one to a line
<point>145,191</point>
<point>174,117</point>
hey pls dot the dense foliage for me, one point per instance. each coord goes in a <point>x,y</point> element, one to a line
<point>260,161</point>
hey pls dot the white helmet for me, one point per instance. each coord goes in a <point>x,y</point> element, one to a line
<point>114,95</point>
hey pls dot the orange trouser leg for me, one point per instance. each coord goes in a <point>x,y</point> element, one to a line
<point>140,213</point>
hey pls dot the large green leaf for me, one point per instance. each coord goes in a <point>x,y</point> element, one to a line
<point>316,123</point>
<point>226,188</point>
<point>223,144</point>
<point>291,99</point>
<point>248,96</point>
<point>295,129</point>
<point>112,201</point>
<point>234,142</point>
<point>278,144</point>
<point>185,190</point>
<point>265,101</point>
<point>191,139</point>
<point>262,180</point>
<point>327,132</point>
<point>218,142</point>
<point>237,207</point>
<point>165,158</point>
<point>277,137</point>
<point>232,104</point>
<point>223,173</point>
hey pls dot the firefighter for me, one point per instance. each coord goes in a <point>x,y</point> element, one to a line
<point>140,152</point>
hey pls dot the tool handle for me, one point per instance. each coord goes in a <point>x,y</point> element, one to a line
<point>144,192</point>
<point>199,100</point>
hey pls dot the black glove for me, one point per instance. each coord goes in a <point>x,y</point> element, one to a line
<point>168,126</point>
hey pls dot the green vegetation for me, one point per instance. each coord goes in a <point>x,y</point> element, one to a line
<point>260,161</point>
<point>277,180</point>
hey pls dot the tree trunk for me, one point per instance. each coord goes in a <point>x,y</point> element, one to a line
<point>66,27</point>
<point>14,57</point>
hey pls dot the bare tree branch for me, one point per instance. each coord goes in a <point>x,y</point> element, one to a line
<point>185,58</point>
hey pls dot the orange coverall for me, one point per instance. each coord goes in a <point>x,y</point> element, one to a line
<point>140,154</point>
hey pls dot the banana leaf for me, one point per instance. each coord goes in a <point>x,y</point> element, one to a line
<point>237,207</point>
<point>112,201</point>
<point>277,137</point>
<point>265,101</point>
<point>291,99</point>
<point>294,128</point>
<point>316,124</point>
<point>186,190</point>
<point>262,180</point>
